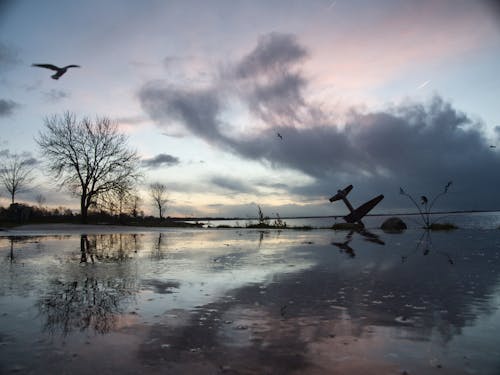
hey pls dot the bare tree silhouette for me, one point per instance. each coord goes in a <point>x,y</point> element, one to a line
<point>426,212</point>
<point>158,192</point>
<point>90,158</point>
<point>16,174</point>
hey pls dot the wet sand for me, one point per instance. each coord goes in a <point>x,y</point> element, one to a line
<point>40,229</point>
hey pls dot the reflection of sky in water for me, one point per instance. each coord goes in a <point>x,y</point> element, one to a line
<point>479,220</point>
<point>242,301</point>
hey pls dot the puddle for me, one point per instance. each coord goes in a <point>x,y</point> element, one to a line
<point>250,302</point>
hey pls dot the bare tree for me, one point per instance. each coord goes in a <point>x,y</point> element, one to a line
<point>116,201</point>
<point>135,204</point>
<point>90,158</point>
<point>40,199</point>
<point>158,193</point>
<point>16,174</point>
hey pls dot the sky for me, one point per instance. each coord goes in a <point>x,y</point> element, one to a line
<point>379,94</point>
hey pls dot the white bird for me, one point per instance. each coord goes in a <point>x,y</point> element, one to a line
<point>59,71</point>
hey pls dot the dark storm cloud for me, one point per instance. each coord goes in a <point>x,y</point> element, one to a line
<point>417,146</point>
<point>5,5</point>
<point>231,184</point>
<point>274,52</point>
<point>494,7</point>
<point>277,101</point>
<point>196,109</point>
<point>268,79</point>
<point>7,107</point>
<point>161,160</point>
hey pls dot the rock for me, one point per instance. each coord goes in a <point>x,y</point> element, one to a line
<point>393,225</point>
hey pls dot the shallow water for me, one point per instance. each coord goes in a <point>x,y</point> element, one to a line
<point>478,220</point>
<point>251,302</point>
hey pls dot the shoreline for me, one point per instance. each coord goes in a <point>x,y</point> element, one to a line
<point>65,228</point>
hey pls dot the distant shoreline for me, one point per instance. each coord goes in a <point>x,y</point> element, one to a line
<point>329,216</point>
<point>106,228</point>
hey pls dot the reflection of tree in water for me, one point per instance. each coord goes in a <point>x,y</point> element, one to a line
<point>424,244</point>
<point>159,247</point>
<point>92,297</point>
<point>18,240</point>
<point>11,254</point>
<point>108,247</point>
<point>86,304</point>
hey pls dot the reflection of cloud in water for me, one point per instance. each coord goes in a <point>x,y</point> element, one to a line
<point>160,287</point>
<point>341,307</point>
<point>216,301</point>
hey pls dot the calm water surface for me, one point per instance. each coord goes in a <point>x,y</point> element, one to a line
<point>248,302</point>
<point>479,220</point>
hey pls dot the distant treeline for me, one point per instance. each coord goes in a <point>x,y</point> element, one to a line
<point>19,214</point>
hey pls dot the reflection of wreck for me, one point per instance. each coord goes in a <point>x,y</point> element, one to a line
<point>357,214</point>
<point>368,236</point>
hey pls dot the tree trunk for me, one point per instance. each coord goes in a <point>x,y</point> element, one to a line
<point>12,197</point>
<point>83,209</point>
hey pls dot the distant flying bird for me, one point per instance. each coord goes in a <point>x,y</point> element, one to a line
<point>59,71</point>
<point>493,146</point>
<point>424,199</point>
<point>279,136</point>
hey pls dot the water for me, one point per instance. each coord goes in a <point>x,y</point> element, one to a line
<point>489,220</point>
<point>245,301</point>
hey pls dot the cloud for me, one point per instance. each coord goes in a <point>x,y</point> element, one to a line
<point>231,184</point>
<point>31,161</point>
<point>56,95</point>
<point>4,7</point>
<point>161,160</point>
<point>420,146</point>
<point>196,109</point>
<point>273,53</point>
<point>26,156</point>
<point>497,132</point>
<point>493,7</point>
<point>7,107</point>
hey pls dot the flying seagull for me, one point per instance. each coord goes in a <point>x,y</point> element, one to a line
<point>59,71</point>
<point>279,136</point>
